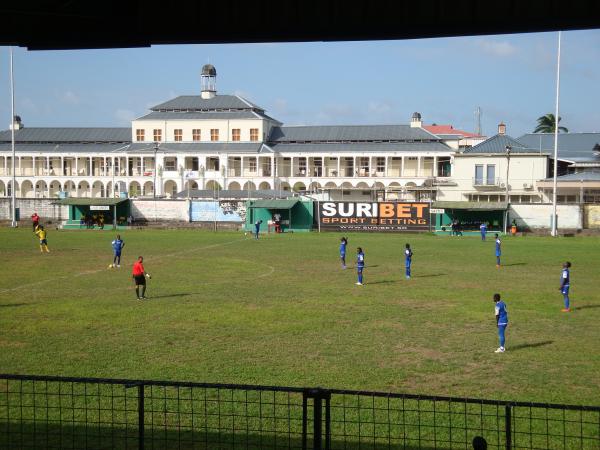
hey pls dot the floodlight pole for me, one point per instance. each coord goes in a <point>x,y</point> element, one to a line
<point>12,143</point>
<point>508,149</point>
<point>554,231</point>
<point>154,187</point>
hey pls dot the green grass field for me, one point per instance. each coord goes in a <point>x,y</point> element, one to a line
<point>279,311</point>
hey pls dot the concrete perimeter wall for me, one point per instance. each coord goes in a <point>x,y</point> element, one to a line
<point>27,206</point>
<point>538,216</point>
<point>160,210</point>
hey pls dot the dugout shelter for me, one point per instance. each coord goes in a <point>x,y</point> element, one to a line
<point>296,214</point>
<point>114,211</point>
<point>470,215</point>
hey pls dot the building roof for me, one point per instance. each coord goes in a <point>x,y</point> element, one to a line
<point>575,147</point>
<point>362,147</point>
<point>65,149</point>
<point>234,194</point>
<point>207,115</point>
<point>498,144</point>
<point>471,206</point>
<point>197,103</point>
<point>79,201</point>
<point>345,133</point>
<point>58,135</point>
<point>448,130</point>
<point>200,147</point>
<point>274,204</point>
<point>581,176</point>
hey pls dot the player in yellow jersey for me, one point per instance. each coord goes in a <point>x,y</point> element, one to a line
<point>41,234</point>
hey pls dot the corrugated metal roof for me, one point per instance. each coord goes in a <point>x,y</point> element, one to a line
<point>196,102</point>
<point>200,147</point>
<point>498,143</point>
<point>92,201</point>
<point>68,135</point>
<point>65,148</point>
<point>576,147</point>
<point>581,176</point>
<point>490,206</point>
<point>234,194</point>
<point>350,133</point>
<point>274,204</point>
<point>363,147</point>
<point>204,115</point>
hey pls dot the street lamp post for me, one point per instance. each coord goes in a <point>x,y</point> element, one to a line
<point>12,142</point>
<point>508,149</point>
<point>154,187</point>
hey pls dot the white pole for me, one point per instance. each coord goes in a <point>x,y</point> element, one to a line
<point>555,181</point>
<point>12,141</point>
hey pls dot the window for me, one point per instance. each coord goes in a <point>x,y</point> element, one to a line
<point>212,163</point>
<point>214,134</point>
<point>140,135</point>
<point>302,166</point>
<point>254,134</point>
<point>196,134</point>
<point>252,164</point>
<point>491,174</point>
<point>170,164</point>
<point>380,164</point>
<point>478,174</point>
<point>178,134</point>
<point>235,134</point>
<point>157,134</point>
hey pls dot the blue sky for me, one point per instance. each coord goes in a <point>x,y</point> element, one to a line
<point>511,77</point>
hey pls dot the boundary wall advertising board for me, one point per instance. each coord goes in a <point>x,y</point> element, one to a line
<point>375,216</point>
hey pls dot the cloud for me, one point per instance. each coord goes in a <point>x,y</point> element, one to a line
<point>70,98</point>
<point>377,107</point>
<point>494,48</point>
<point>124,116</point>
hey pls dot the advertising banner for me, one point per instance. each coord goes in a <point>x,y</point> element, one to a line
<point>374,216</point>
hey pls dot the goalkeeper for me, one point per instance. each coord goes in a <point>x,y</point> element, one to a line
<point>139,278</point>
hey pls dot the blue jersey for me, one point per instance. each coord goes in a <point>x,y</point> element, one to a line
<point>501,313</point>
<point>117,245</point>
<point>483,228</point>
<point>498,243</point>
<point>257,225</point>
<point>343,248</point>
<point>565,278</point>
<point>360,260</point>
<point>408,256</point>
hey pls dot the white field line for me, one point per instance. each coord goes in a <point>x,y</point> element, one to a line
<point>92,272</point>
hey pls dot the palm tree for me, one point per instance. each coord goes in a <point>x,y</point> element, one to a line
<point>547,123</point>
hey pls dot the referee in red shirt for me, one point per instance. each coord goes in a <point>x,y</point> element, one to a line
<point>139,278</point>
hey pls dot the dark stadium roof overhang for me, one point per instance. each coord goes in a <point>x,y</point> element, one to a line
<point>472,206</point>
<point>274,204</point>
<point>75,201</point>
<point>57,24</point>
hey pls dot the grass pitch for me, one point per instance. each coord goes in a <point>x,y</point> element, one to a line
<point>280,311</point>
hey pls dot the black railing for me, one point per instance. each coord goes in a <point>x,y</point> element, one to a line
<point>38,412</point>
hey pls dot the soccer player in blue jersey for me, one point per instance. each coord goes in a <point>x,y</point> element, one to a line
<point>501,321</point>
<point>343,244</point>
<point>483,229</point>
<point>408,260</point>
<point>360,265</point>
<point>498,250</point>
<point>257,228</point>
<point>117,246</point>
<point>565,281</point>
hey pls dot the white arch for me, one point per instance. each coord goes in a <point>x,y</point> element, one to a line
<point>264,186</point>
<point>83,189</point>
<point>411,184</point>
<point>315,185</point>
<point>378,185</point>
<point>135,189</point>
<point>394,184</point>
<point>9,188</point>
<point>55,188</point>
<point>330,185</point>
<point>70,188</point>
<point>109,189</point>
<point>148,188</point>
<point>212,185</point>
<point>234,186</point>
<point>3,192</point>
<point>26,190</point>
<point>362,185</point>
<point>346,185</point>
<point>249,186</point>
<point>299,186</point>
<point>285,186</point>
<point>41,189</point>
<point>97,189</point>
<point>170,188</point>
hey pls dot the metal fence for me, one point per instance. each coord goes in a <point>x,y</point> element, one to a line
<point>38,412</point>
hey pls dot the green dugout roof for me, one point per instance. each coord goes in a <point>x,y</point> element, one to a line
<point>275,204</point>
<point>91,201</point>
<point>472,206</point>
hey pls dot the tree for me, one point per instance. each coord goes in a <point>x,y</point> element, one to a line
<point>547,123</point>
